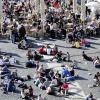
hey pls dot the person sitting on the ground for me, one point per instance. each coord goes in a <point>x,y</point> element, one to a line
<point>5,58</point>
<point>72,76</point>
<point>30,64</point>
<point>57,74</point>
<point>64,88</point>
<point>5,84</point>
<point>9,60</point>
<point>22,44</point>
<point>58,56</point>
<point>50,91</point>
<point>55,50</point>
<point>72,72</point>
<point>5,71</point>
<point>12,60</point>
<point>22,93</point>
<point>65,73</point>
<point>74,64</point>
<point>50,74</point>
<point>67,56</point>
<point>97,79</point>
<point>42,50</point>
<point>86,57</point>
<point>41,84</point>
<point>37,57</point>
<point>41,70</point>
<point>45,84</point>
<point>48,50</point>
<point>29,54</point>
<point>31,92</point>
<point>84,43</point>
<point>59,79</point>
<point>14,75</point>
<point>25,93</point>
<point>53,82</point>
<point>76,45</point>
<point>39,81</point>
<point>11,86</point>
<point>97,62</point>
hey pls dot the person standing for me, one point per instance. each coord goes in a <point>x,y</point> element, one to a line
<point>22,32</point>
<point>14,34</point>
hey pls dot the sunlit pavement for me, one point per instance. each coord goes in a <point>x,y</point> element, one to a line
<point>80,87</point>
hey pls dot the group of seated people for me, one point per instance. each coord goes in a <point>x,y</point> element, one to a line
<point>47,50</point>
<point>36,56</point>
<point>80,43</point>
<point>33,58</point>
<point>27,92</point>
<point>9,79</point>
<point>53,82</point>
<point>8,85</point>
<point>7,60</point>
<point>59,57</point>
<point>95,60</point>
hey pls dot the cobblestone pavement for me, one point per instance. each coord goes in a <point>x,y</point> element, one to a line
<point>86,68</point>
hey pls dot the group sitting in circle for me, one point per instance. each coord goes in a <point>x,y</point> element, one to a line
<point>47,50</point>
<point>54,82</point>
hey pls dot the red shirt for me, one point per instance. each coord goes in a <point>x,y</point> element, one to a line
<point>41,50</point>
<point>65,86</point>
<point>56,5</point>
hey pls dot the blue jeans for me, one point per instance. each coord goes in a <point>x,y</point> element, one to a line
<point>13,38</point>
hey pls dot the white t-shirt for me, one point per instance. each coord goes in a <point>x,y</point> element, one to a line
<point>96,62</point>
<point>22,94</point>
<point>51,27</point>
<point>12,60</point>
<point>1,62</point>
<point>48,51</point>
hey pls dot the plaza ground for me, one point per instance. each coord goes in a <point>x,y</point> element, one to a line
<point>80,88</point>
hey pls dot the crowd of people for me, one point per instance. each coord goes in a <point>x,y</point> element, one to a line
<point>21,21</point>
